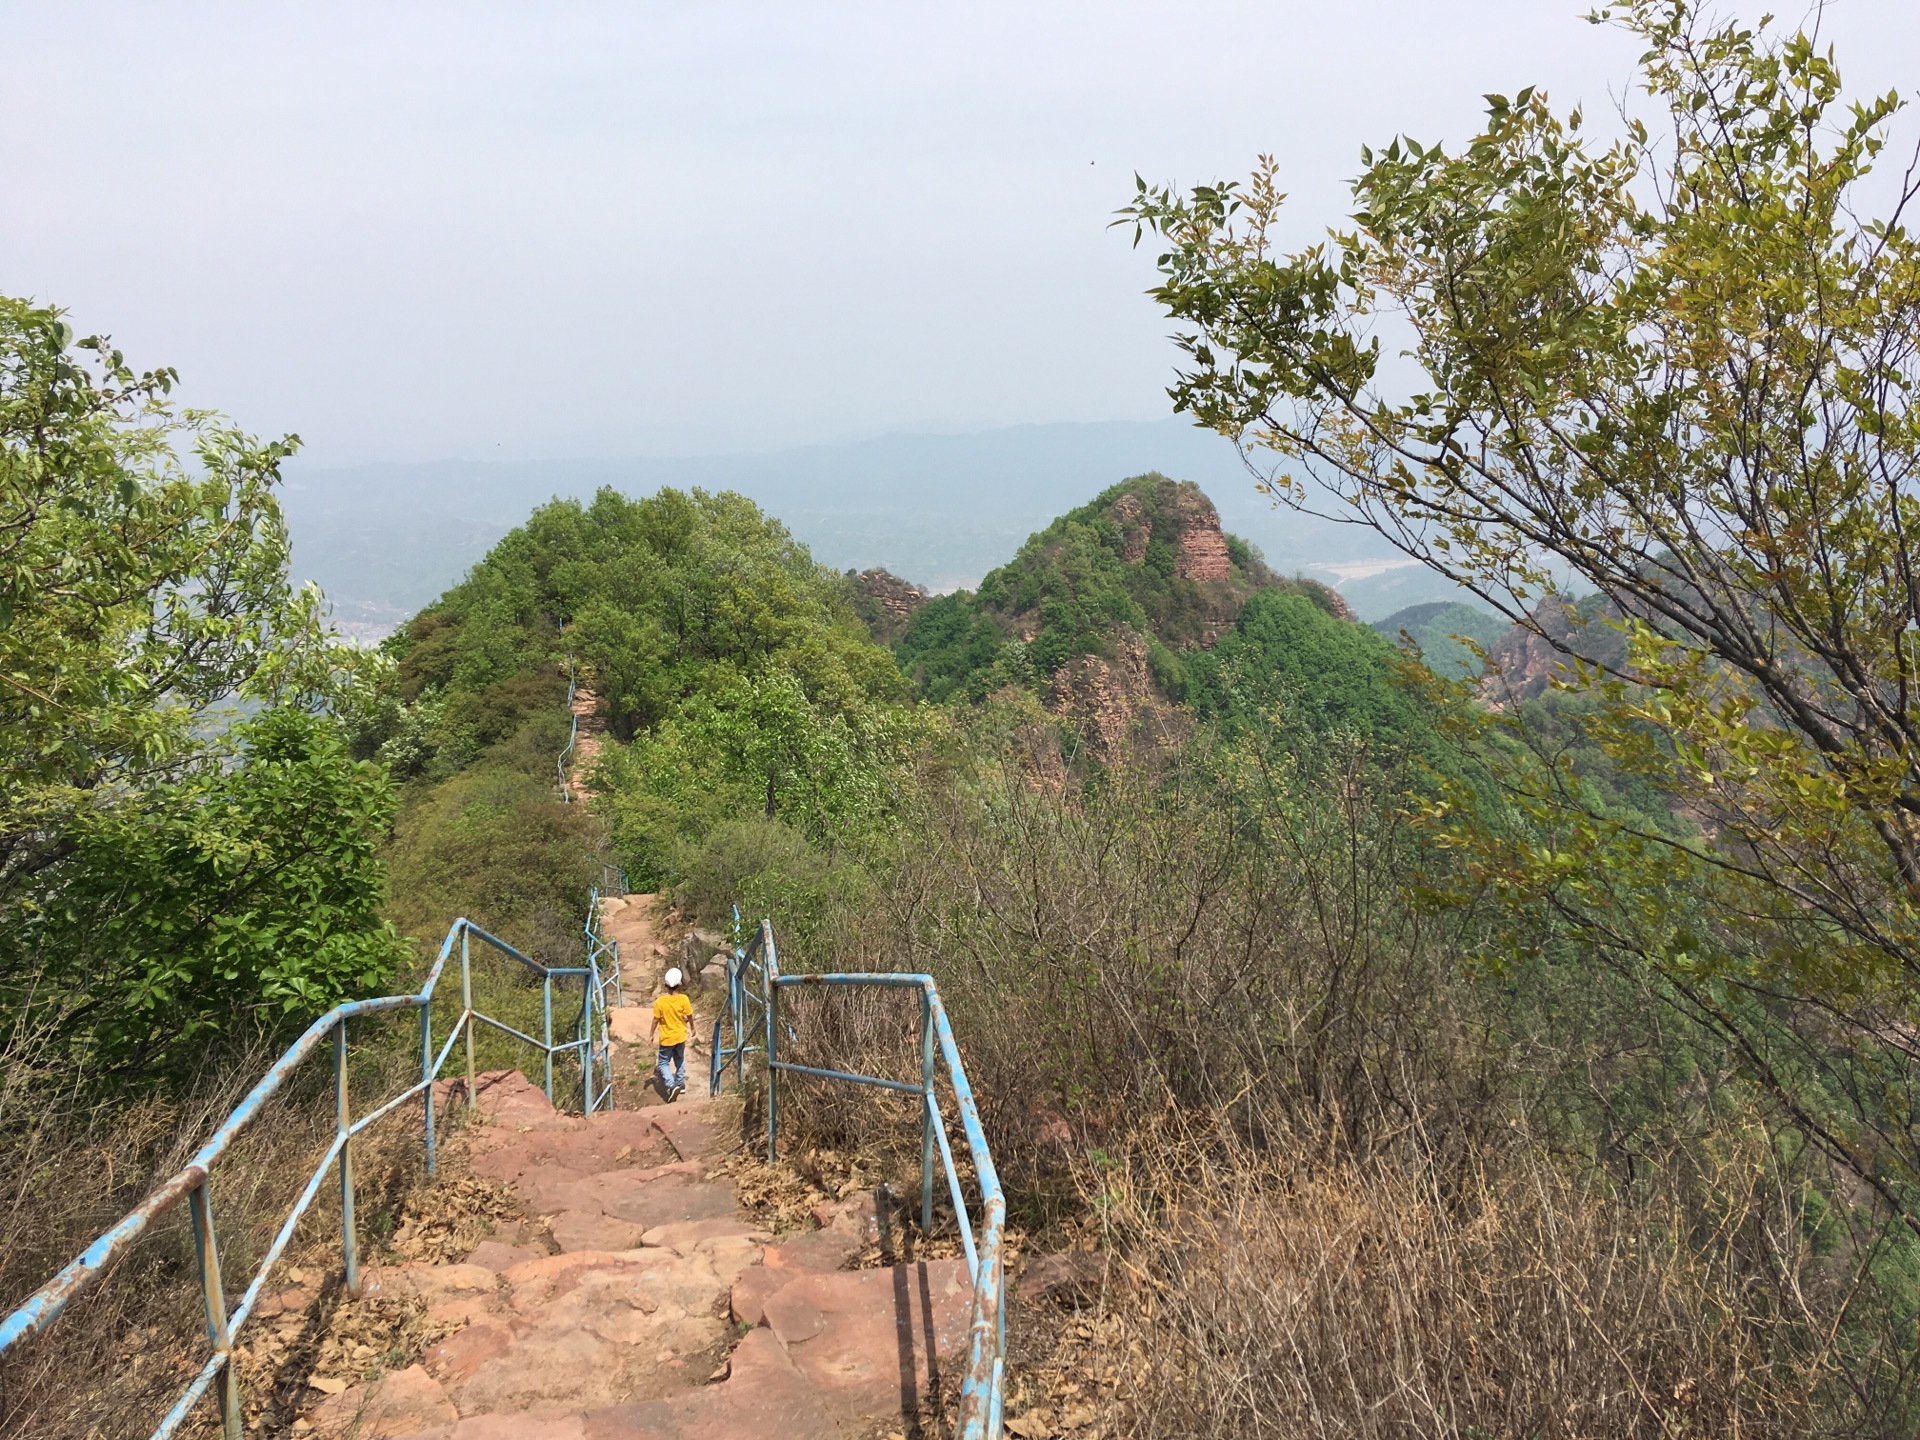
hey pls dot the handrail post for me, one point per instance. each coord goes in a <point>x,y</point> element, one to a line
<point>466,1004</point>
<point>770,992</point>
<point>426,1079</point>
<point>585,1043</point>
<point>207,1251</point>
<point>926,1115</point>
<point>348,1244</point>
<point>546,1006</point>
<point>736,1013</point>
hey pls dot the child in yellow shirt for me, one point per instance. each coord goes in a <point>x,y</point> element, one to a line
<point>672,1030</point>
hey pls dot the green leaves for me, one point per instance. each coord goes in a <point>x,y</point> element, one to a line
<point>1676,370</point>
<point>160,755</point>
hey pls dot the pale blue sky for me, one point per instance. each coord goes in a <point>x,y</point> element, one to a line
<point>415,230</point>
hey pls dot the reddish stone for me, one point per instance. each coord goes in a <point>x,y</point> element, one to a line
<point>685,1234</point>
<point>546,1423</point>
<point>408,1402</point>
<point>764,1397</point>
<point>590,1230</point>
<point>497,1256</point>
<point>816,1250</point>
<point>457,1357</point>
<point>875,1342</point>
<point>749,1298</point>
<point>665,1201</point>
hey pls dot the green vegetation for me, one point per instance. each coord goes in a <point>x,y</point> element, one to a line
<point>185,844</point>
<point>1113,566</point>
<point>1680,369</point>
<point>737,684</point>
<point>1288,662</point>
<point>1437,631</point>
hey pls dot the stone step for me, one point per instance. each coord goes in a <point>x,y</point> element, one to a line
<point>618,1322</point>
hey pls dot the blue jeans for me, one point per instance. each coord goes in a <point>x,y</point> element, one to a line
<point>673,1066</point>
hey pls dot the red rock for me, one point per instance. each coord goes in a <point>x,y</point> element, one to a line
<point>548,1423</point>
<point>496,1256</point>
<point>816,1250</point>
<point>432,1283</point>
<point>684,1234</point>
<point>875,1342</point>
<point>764,1397</point>
<point>590,1230</point>
<point>457,1357</point>
<point>665,1201</point>
<point>408,1402</point>
<point>748,1300</point>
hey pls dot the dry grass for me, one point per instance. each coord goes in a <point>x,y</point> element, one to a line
<point>1213,1036</point>
<point>1296,1290</point>
<point>120,1354</point>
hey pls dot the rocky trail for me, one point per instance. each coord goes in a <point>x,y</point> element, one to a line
<point>590,726</point>
<point>636,1299</point>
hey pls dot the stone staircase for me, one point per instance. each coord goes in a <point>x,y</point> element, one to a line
<point>641,1303</point>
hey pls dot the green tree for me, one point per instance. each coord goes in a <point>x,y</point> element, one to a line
<point>1679,366</point>
<point>182,838</point>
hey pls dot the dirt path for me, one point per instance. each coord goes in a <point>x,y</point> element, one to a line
<point>587,738</point>
<point>640,1303</point>
<point>650,942</point>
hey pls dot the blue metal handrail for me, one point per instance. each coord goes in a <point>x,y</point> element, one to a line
<point>982,1388</point>
<point>192,1180</point>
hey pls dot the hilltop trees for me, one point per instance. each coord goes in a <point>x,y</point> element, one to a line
<point>184,840</point>
<point>1680,366</point>
<point>739,686</point>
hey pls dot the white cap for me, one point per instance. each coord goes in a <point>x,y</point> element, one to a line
<point>673,976</point>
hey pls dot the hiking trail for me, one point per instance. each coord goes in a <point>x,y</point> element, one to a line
<point>638,1301</point>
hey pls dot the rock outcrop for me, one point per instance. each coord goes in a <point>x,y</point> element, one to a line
<point>1109,699</point>
<point>886,602</point>
<point>1525,661</point>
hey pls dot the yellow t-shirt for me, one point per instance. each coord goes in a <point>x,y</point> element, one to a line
<point>673,1013</point>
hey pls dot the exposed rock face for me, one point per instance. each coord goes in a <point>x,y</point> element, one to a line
<point>1202,548</point>
<point>1107,699</point>
<point>1135,529</point>
<point>886,602</point>
<point>1523,663</point>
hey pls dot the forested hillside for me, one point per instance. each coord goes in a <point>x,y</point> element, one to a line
<point>1141,574</point>
<point>1367,1046</point>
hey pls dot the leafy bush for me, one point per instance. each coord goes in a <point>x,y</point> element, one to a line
<point>185,843</point>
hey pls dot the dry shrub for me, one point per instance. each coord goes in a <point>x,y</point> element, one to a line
<point>1296,1289</point>
<point>71,1165</point>
<point>1406,1190</point>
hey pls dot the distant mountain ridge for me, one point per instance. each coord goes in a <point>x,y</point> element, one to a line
<point>942,510</point>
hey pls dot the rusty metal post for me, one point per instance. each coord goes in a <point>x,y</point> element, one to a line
<point>426,1079</point>
<point>546,1007</point>
<point>214,1293</point>
<point>926,1115</point>
<point>349,1245</point>
<point>466,1005</point>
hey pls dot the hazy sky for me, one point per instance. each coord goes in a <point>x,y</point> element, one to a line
<point>483,230</point>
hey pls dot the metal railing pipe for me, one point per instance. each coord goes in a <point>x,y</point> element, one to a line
<point>349,1244</point>
<point>206,1249</point>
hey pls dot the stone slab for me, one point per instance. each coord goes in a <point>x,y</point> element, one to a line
<point>764,1397</point>
<point>408,1402</point>
<point>874,1342</point>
